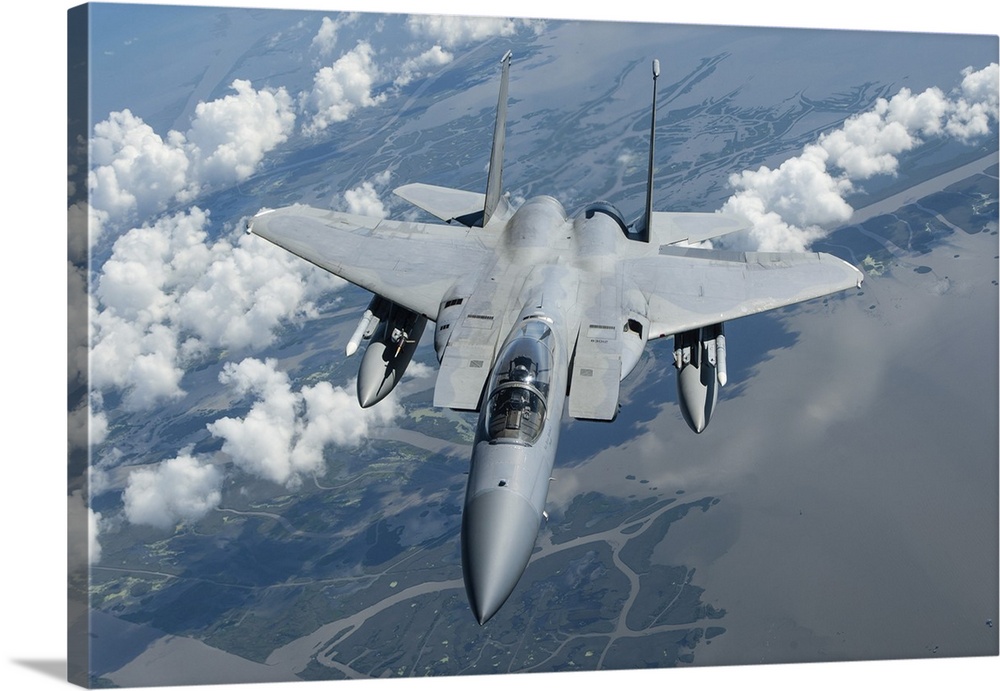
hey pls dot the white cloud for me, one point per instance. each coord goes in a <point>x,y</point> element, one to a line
<point>332,415</point>
<point>866,144</point>
<point>77,328</point>
<point>451,31</point>
<point>179,489</point>
<point>982,86</point>
<point>416,67</point>
<point>364,199</point>
<point>84,225</point>
<point>283,435</point>
<point>978,104</point>
<point>259,442</point>
<point>168,293</point>
<point>229,136</point>
<point>82,553</point>
<point>93,533</point>
<point>136,172</point>
<point>134,169</point>
<point>790,206</point>
<point>140,359</point>
<point>342,88</point>
<point>86,426</point>
<point>247,291</point>
<point>325,39</point>
<point>799,191</point>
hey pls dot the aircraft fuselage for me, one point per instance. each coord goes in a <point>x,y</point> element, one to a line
<point>544,269</point>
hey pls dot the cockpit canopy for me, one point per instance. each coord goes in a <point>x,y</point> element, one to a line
<point>519,389</point>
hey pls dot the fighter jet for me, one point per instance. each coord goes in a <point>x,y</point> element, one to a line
<point>537,314</point>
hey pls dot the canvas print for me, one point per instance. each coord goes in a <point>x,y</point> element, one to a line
<point>410,345</point>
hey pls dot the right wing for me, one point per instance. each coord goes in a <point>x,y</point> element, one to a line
<point>411,264</point>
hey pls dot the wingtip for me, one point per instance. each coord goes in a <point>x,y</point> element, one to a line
<point>250,221</point>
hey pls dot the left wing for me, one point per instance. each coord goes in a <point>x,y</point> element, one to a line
<point>411,264</point>
<point>688,288</point>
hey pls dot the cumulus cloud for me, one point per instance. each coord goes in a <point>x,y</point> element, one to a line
<point>343,87</point>
<point>81,553</point>
<point>325,39</point>
<point>78,350</point>
<point>93,532</point>
<point>791,205</point>
<point>136,172</point>
<point>365,199</point>
<point>135,169</point>
<point>86,426</point>
<point>229,136</point>
<point>451,31</point>
<point>168,294</point>
<point>786,204</point>
<point>978,104</point>
<point>85,225</point>
<point>180,489</point>
<point>420,65</point>
<point>283,435</point>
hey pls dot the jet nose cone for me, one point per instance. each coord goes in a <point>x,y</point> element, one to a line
<point>498,533</point>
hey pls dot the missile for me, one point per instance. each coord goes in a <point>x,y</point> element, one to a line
<point>377,310</point>
<point>361,332</point>
<point>720,357</point>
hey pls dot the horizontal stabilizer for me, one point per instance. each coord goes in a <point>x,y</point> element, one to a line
<point>670,227</point>
<point>444,202</point>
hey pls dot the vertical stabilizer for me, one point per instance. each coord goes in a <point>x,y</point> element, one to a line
<point>642,227</point>
<point>493,180</point>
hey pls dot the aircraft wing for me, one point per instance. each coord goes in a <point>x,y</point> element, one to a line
<point>411,264</point>
<point>687,288</point>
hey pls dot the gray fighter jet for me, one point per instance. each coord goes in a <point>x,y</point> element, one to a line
<point>537,314</point>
